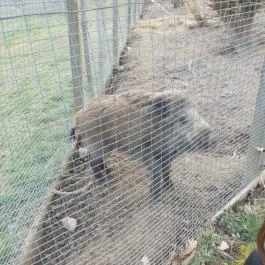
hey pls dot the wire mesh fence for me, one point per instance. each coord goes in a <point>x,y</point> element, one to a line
<point>126,125</point>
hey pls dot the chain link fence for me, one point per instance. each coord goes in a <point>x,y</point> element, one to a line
<point>126,126</point>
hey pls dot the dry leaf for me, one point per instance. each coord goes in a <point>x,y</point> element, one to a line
<point>189,259</point>
<point>186,255</point>
<point>191,246</point>
<point>224,246</point>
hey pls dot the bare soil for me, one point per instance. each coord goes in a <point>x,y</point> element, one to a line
<point>116,221</point>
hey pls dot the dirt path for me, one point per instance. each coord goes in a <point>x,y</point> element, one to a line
<point>115,223</point>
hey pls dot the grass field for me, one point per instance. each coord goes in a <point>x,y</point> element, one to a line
<point>36,113</point>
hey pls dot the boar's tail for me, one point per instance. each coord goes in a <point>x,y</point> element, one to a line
<point>73,134</point>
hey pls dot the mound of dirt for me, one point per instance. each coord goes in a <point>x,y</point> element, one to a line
<point>116,223</point>
<point>99,207</point>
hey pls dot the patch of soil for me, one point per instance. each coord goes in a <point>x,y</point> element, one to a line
<point>116,221</point>
<point>100,207</point>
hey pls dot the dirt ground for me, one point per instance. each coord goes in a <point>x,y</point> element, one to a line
<point>116,221</point>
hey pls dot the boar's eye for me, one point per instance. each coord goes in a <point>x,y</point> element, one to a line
<point>182,120</point>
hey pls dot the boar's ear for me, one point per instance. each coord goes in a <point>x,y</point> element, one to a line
<point>161,106</point>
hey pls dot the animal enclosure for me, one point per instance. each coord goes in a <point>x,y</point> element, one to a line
<point>127,126</point>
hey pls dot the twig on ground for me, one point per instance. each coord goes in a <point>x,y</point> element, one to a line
<point>224,254</point>
<point>72,192</point>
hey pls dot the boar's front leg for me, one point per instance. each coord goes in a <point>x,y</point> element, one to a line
<point>159,168</point>
<point>163,160</point>
<point>155,169</point>
<point>166,165</point>
<point>156,176</point>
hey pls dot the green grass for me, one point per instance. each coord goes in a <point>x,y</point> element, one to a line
<point>5,245</point>
<point>238,227</point>
<point>242,222</point>
<point>36,110</point>
<point>206,249</point>
<point>36,113</point>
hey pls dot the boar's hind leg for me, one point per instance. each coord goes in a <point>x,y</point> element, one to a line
<point>100,169</point>
<point>167,182</point>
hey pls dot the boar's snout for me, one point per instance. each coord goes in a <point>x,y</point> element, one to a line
<point>202,138</point>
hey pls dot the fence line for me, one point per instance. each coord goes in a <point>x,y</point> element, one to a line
<point>74,8</point>
<point>31,14</point>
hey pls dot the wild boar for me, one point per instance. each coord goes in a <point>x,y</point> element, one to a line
<point>152,126</point>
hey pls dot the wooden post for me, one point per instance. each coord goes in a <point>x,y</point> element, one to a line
<point>138,8</point>
<point>115,35</point>
<point>86,49</point>
<point>129,18</point>
<point>134,11</point>
<point>100,41</point>
<point>143,6</point>
<point>75,52</point>
<point>255,158</point>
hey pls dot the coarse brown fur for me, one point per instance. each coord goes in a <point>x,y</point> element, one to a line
<point>152,126</point>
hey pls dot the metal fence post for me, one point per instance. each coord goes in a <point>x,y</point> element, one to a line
<point>257,135</point>
<point>115,34</point>
<point>75,52</point>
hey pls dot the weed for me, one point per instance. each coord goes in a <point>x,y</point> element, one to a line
<point>243,222</point>
<point>238,227</point>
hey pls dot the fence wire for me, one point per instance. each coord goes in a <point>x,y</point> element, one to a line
<point>126,125</point>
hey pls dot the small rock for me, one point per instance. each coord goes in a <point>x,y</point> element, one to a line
<point>82,152</point>
<point>82,167</point>
<point>145,260</point>
<point>121,68</point>
<point>96,232</point>
<point>224,246</point>
<point>92,226</point>
<point>69,223</point>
